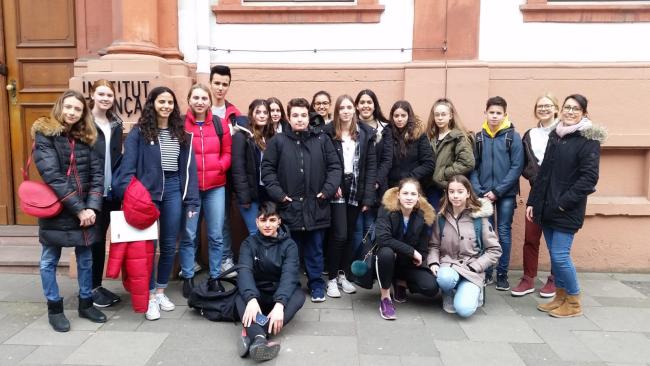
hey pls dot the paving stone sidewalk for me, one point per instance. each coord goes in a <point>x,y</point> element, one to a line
<point>347,331</point>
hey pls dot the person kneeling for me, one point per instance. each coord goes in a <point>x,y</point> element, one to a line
<point>402,230</point>
<point>268,284</point>
<point>457,254</point>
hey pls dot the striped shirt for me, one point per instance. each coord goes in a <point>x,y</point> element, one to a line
<point>169,150</point>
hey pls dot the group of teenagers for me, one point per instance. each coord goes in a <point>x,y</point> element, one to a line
<point>310,184</point>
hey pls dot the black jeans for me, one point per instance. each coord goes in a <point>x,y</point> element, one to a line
<point>98,248</point>
<point>266,303</point>
<point>397,267</point>
<point>341,246</point>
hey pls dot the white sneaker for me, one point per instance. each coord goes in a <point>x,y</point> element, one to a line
<point>153,311</point>
<point>164,303</point>
<point>448,303</point>
<point>227,264</point>
<point>333,288</point>
<point>344,284</point>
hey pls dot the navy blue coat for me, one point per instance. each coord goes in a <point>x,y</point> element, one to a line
<point>142,159</point>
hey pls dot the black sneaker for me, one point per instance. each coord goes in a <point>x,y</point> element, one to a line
<point>263,350</point>
<point>489,278</point>
<point>243,344</point>
<point>114,298</point>
<point>100,299</point>
<point>502,282</point>
<point>188,286</point>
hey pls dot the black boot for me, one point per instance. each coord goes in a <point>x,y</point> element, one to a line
<point>188,286</point>
<point>88,311</point>
<point>57,318</point>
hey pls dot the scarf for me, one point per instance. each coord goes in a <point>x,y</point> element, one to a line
<point>563,130</point>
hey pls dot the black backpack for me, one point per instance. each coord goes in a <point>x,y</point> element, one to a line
<point>216,302</point>
<point>478,144</point>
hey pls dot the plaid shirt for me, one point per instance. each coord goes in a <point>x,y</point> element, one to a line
<point>352,196</point>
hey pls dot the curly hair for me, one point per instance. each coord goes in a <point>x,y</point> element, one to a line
<point>148,121</point>
<point>404,136</point>
<point>84,130</point>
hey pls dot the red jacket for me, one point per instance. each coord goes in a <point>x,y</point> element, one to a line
<point>212,156</point>
<point>135,259</point>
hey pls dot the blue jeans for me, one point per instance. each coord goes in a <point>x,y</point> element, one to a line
<point>227,238</point>
<point>364,222</point>
<point>505,210</point>
<point>171,217</point>
<point>249,215</point>
<point>559,247</point>
<point>50,258</point>
<point>212,203</point>
<point>311,245</point>
<point>467,293</point>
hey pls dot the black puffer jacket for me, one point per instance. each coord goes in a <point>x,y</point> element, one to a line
<point>568,174</point>
<point>245,166</point>
<point>301,165</point>
<point>389,228</point>
<point>117,129</point>
<point>367,163</point>
<point>418,162</point>
<point>83,189</point>
<point>270,266</point>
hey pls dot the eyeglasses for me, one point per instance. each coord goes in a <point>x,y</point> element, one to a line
<point>545,106</point>
<point>324,104</point>
<point>440,114</point>
<point>569,109</point>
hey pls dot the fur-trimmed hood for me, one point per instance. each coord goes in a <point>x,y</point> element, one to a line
<point>51,127</point>
<point>596,133</point>
<point>47,127</point>
<point>486,209</point>
<point>391,203</point>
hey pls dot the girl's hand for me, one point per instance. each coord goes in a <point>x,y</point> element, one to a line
<point>338,194</point>
<point>276,319</point>
<point>191,214</point>
<point>86,217</point>
<point>287,199</point>
<point>417,258</point>
<point>529,213</point>
<point>365,208</point>
<point>252,309</point>
<point>491,196</point>
<point>434,269</point>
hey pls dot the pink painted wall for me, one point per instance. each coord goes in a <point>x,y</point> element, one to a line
<point>615,236</point>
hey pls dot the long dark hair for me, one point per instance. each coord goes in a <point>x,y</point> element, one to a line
<point>283,115</point>
<point>261,134</point>
<point>407,134</point>
<point>472,201</point>
<point>377,113</point>
<point>148,121</point>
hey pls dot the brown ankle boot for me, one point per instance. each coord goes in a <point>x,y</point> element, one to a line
<point>570,308</point>
<point>558,300</point>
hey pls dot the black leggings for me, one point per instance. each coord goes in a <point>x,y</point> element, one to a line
<point>396,267</point>
<point>266,303</point>
<point>340,248</point>
<point>98,248</point>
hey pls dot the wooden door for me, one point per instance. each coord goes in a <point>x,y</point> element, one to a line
<point>40,49</point>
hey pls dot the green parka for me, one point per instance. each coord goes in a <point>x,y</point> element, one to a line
<point>454,155</point>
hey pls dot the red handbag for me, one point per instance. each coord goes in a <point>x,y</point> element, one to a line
<point>38,199</point>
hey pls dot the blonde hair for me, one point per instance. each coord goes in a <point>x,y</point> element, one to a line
<point>199,86</point>
<point>553,100</point>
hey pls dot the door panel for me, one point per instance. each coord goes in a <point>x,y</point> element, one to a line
<point>40,50</point>
<point>6,185</point>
